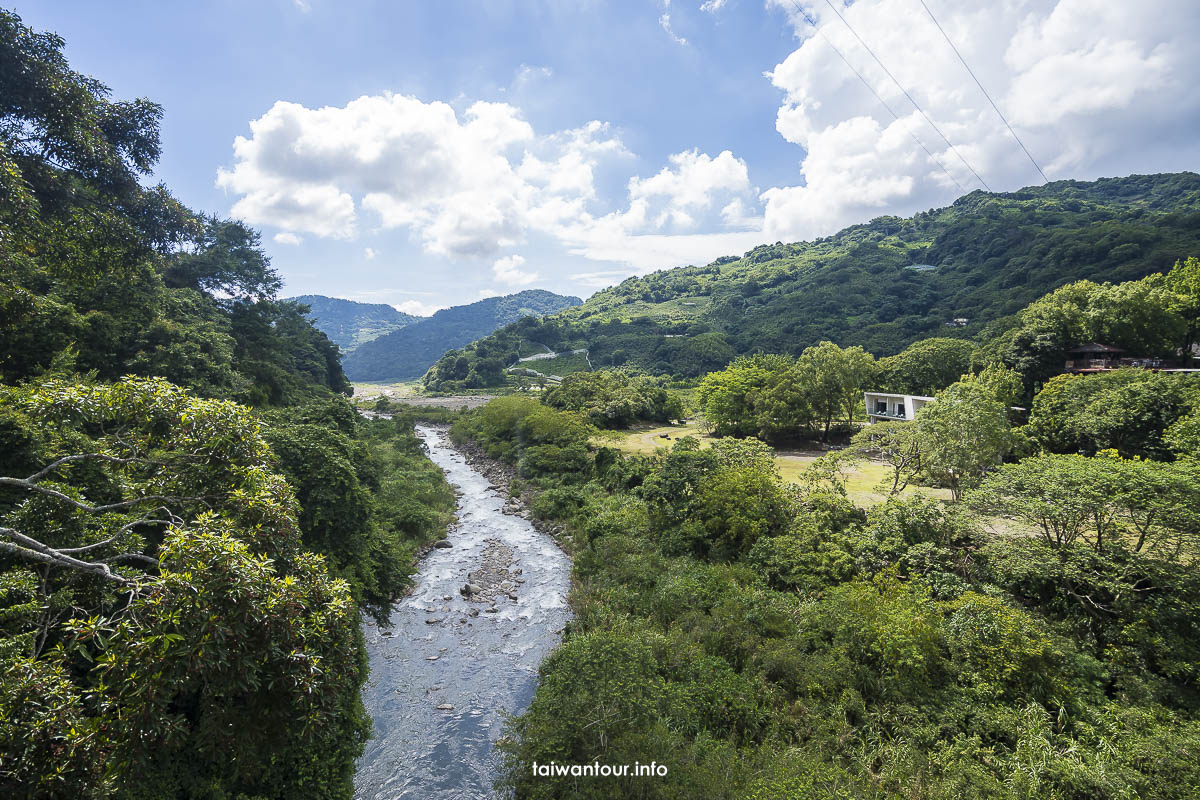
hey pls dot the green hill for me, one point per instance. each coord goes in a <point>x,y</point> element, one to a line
<point>881,285</point>
<point>349,324</point>
<point>408,352</point>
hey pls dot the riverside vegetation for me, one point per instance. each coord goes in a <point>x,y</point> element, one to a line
<point>192,515</point>
<point>773,640</point>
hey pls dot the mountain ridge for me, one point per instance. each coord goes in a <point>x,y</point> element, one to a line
<point>408,352</point>
<point>990,253</point>
<point>349,323</point>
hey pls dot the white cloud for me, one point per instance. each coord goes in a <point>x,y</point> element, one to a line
<point>691,186</point>
<point>287,238</point>
<point>464,187</point>
<point>505,270</point>
<point>369,253</point>
<point>417,308</point>
<point>486,293</point>
<point>1093,88</point>
<point>712,6</point>
<point>471,186</point>
<point>302,5</point>
<point>665,22</point>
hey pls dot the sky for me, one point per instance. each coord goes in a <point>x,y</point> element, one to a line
<point>427,154</point>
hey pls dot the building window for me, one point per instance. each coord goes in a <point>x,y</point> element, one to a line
<point>900,409</point>
<point>881,406</point>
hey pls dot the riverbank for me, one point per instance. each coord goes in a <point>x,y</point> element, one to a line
<point>502,477</point>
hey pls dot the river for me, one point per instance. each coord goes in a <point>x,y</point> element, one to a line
<point>436,654</point>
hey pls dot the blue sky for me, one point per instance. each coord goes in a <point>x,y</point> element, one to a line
<point>426,154</point>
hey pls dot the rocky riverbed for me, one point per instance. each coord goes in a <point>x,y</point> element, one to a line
<point>462,650</point>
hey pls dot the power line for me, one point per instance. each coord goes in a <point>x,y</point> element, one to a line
<point>985,91</point>
<point>882,102</point>
<point>916,105</point>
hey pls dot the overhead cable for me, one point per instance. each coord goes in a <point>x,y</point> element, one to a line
<point>999,113</point>
<point>871,88</point>
<point>916,105</point>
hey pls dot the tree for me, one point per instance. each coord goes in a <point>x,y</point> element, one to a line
<point>897,444</point>
<point>733,399</point>
<point>962,434</point>
<point>926,367</point>
<point>174,606</point>
<point>225,258</point>
<point>1126,409</point>
<point>1062,496</point>
<point>1183,281</point>
<point>834,379</point>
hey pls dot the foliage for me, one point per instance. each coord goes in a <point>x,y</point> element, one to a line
<point>764,641</point>
<point>178,618</point>
<point>779,398</point>
<point>1128,410</point>
<point>615,399</point>
<point>1101,501</point>
<point>1141,317</point>
<point>925,367</point>
<point>103,275</point>
<point>368,496</point>
<point>962,435</point>
<point>165,628</point>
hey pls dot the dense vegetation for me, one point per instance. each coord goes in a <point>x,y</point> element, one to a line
<point>770,640</point>
<point>349,324</point>
<point>993,254</point>
<point>408,352</point>
<point>614,399</point>
<point>191,515</point>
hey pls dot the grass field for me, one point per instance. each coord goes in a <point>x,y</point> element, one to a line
<point>365,391</point>
<point>861,485</point>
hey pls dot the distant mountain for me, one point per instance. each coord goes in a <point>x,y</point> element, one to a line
<point>349,324</point>
<point>406,353</point>
<point>955,271</point>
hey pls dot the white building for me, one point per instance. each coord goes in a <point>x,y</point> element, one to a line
<point>885,407</point>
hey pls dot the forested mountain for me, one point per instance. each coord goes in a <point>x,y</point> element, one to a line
<point>408,352</point>
<point>882,285</point>
<point>192,518</point>
<point>348,323</point>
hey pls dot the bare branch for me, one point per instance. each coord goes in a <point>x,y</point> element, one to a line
<point>53,465</point>
<point>124,504</point>
<point>30,548</point>
<point>124,528</point>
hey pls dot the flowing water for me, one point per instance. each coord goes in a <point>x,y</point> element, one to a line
<point>484,666</point>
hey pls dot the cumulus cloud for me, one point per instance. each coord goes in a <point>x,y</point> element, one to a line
<point>287,238</point>
<point>1092,87</point>
<point>417,308</point>
<point>505,270</point>
<point>690,186</point>
<point>464,187</point>
<point>712,6</point>
<point>471,185</point>
<point>369,253</point>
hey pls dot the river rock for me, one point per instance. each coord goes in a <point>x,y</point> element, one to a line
<point>432,620</point>
<point>445,707</point>
<point>442,544</point>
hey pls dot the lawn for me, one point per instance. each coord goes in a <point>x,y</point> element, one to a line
<point>861,484</point>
